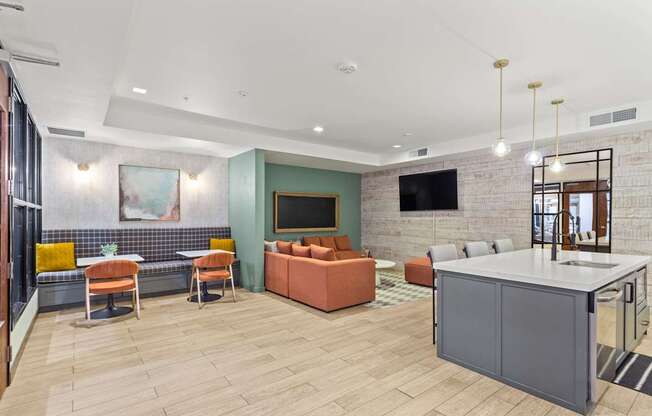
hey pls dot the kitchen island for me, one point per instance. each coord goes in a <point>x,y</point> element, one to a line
<point>530,322</point>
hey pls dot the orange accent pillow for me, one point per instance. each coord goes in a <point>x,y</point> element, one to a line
<point>328,242</point>
<point>300,251</point>
<point>284,247</point>
<point>322,253</point>
<point>343,242</point>
<point>307,241</point>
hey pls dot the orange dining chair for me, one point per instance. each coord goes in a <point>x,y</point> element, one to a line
<point>111,277</point>
<point>216,266</point>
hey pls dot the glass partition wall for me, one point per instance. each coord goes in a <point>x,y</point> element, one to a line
<point>583,188</point>
<point>24,203</point>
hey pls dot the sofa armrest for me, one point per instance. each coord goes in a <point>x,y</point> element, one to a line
<point>276,273</point>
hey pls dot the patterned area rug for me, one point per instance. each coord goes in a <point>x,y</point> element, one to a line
<point>636,373</point>
<point>394,290</point>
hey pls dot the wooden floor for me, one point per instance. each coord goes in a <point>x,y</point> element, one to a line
<point>261,356</point>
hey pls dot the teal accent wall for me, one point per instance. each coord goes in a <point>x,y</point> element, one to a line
<point>297,179</point>
<point>247,215</point>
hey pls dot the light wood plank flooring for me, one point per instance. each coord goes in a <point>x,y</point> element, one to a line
<point>261,356</point>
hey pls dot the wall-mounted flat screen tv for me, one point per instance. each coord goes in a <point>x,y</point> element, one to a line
<point>428,191</point>
<point>296,212</point>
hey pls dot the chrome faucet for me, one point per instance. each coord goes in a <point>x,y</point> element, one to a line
<point>553,255</point>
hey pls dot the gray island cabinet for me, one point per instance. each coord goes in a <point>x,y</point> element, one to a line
<point>527,321</point>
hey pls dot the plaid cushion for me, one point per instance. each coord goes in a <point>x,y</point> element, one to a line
<point>165,267</point>
<point>153,244</point>
<point>64,276</point>
<point>145,269</point>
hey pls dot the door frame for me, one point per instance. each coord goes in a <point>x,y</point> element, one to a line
<point>5,347</point>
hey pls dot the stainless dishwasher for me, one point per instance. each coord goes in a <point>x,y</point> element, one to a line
<point>609,329</point>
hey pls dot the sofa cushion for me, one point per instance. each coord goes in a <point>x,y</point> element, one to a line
<point>348,254</point>
<point>300,251</point>
<point>55,257</point>
<point>61,276</point>
<point>169,266</point>
<point>322,253</point>
<point>343,242</point>
<point>226,244</point>
<point>307,241</point>
<point>284,247</point>
<point>271,246</point>
<point>144,269</point>
<point>328,242</point>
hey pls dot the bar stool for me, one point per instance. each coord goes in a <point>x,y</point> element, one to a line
<point>476,248</point>
<point>503,245</point>
<point>442,252</point>
<point>216,266</point>
<point>108,278</point>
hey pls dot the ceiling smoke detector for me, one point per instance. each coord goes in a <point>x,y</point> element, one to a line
<point>347,68</point>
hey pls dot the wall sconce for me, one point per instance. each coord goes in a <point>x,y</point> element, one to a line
<point>194,180</point>
<point>83,173</point>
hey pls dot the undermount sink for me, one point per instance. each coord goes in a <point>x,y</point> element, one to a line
<point>582,263</point>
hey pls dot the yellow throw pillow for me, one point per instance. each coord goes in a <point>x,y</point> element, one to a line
<point>55,257</point>
<point>227,244</point>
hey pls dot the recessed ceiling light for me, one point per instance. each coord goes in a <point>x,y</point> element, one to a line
<point>407,134</point>
<point>396,146</point>
<point>318,129</point>
<point>138,90</point>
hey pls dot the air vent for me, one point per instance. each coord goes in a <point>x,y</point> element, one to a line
<point>66,132</point>
<point>600,119</point>
<point>614,117</point>
<point>624,115</point>
<point>419,152</point>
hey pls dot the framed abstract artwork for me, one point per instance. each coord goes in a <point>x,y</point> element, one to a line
<point>149,194</point>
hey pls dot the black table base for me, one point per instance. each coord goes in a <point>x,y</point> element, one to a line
<point>111,310</point>
<point>206,296</point>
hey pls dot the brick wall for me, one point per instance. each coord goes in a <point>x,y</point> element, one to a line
<point>495,200</point>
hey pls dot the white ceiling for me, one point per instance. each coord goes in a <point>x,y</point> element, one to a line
<point>424,67</point>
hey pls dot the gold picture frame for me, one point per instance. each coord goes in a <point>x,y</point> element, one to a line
<point>278,194</point>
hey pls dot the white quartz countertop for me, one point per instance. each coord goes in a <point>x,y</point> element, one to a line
<point>534,266</point>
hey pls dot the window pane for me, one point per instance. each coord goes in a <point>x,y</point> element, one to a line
<point>537,222</point>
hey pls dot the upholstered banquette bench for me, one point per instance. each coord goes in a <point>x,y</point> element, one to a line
<point>162,272</point>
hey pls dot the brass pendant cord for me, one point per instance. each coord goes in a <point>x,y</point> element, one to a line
<point>500,111</point>
<point>557,131</point>
<point>534,117</point>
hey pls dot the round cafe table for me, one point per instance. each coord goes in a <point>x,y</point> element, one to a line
<point>382,264</point>
<point>206,296</point>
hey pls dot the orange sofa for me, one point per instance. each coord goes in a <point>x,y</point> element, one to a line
<point>325,285</point>
<point>340,243</point>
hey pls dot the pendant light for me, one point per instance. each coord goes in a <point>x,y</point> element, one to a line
<point>500,148</point>
<point>534,157</point>
<point>557,165</point>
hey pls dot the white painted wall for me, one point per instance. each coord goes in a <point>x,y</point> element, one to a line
<point>75,200</point>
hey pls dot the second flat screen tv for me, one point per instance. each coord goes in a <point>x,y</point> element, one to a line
<point>429,191</point>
